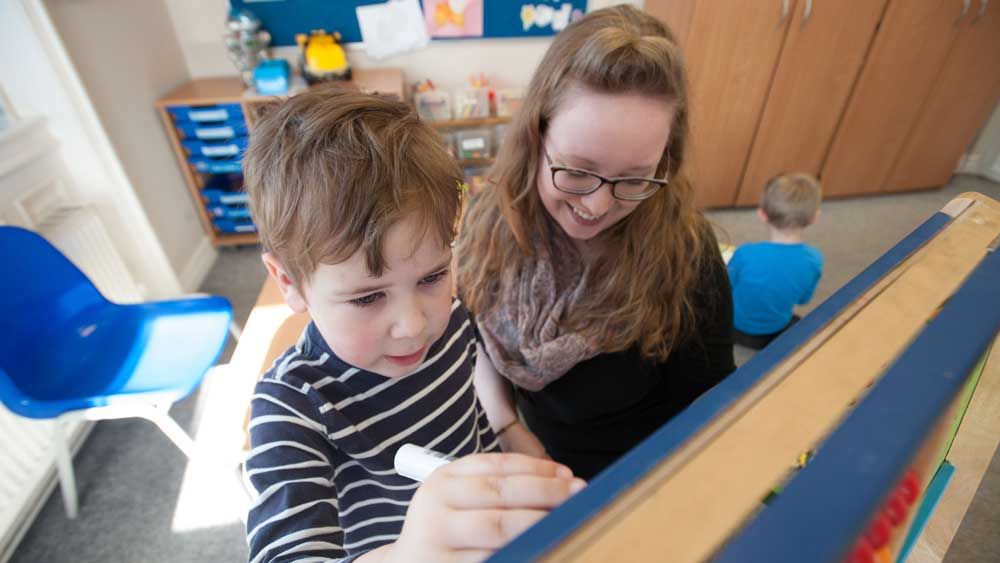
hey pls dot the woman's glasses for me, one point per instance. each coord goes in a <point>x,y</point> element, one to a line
<point>577,181</point>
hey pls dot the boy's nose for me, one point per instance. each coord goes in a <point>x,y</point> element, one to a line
<point>410,322</point>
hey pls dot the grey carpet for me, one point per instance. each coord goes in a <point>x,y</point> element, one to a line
<point>129,474</point>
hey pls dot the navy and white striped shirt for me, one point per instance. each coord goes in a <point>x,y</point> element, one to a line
<point>324,435</point>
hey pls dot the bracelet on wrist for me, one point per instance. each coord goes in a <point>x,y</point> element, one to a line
<point>507,427</point>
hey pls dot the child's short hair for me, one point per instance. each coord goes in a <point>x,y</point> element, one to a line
<point>330,170</point>
<point>791,200</point>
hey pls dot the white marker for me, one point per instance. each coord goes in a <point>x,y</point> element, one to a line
<point>417,462</point>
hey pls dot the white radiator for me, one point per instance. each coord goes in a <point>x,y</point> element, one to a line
<point>27,469</point>
<point>78,233</point>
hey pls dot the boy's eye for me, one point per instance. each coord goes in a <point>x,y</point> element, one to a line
<point>367,300</point>
<point>434,278</point>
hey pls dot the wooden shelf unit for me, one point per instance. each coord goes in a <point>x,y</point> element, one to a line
<point>453,125</point>
<point>470,122</point>
<point>230,90</point>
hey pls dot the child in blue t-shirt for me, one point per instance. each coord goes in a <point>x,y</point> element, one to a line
<point>770,278</point>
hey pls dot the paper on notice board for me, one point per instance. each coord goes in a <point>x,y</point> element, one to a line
<point>392,28</point>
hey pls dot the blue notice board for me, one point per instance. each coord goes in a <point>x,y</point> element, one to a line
<point>285,18</point>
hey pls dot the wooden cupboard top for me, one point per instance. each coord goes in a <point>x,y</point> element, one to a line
<point>229,89</point>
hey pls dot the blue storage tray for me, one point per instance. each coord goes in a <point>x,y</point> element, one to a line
<point>206,114</point>
<point>213,132</point>
<point>217,165</point>
<point>220,197</point>
<point>234,226</point>
<point>233,148</point>
<point>229,211</point>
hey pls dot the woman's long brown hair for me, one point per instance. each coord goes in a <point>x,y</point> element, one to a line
<point>641,287</point>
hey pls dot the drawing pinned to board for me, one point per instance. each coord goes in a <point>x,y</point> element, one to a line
<point>545,15</point>
<point>454,18</point>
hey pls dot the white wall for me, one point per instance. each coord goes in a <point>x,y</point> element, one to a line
<point>40,80</point>
<point>984,157</point>
<point>127,56</point>
<point>508,62</point>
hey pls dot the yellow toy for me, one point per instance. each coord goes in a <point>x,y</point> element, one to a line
<point>323,57</point>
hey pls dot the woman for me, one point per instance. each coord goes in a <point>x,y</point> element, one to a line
<point>598,288</point>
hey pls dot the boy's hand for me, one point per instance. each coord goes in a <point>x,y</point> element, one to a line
<point>473,506</point>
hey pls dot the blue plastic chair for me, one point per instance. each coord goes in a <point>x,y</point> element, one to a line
<point>65,350</point>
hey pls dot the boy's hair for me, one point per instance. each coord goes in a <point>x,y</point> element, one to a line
<point>330,170</point>
<point>791,200</point>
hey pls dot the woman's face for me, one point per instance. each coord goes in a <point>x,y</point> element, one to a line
<point>613,135</point>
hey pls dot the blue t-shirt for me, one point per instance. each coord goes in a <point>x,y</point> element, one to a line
<point>768,280</point>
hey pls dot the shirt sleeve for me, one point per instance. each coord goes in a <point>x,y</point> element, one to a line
<point>295,513</point>
<point>807,295</point>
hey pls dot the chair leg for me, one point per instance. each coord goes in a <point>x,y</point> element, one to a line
<point>235,331</point>
<point>162,419</point>
<point>160,416</point>
<point>64,465</point>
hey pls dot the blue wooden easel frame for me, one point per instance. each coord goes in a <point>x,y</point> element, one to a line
<point>812,520</point>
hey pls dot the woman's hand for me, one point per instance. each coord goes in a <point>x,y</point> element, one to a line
<point>516,438</point>
<point>473,506</point>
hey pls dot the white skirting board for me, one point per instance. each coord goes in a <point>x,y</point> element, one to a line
<point>27,472</point>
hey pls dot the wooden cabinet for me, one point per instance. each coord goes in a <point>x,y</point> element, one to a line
<point>869,95</point>
<point>902,67</point>
<point>824,51</point>
<point>732,47</point>
<point>966,91</point>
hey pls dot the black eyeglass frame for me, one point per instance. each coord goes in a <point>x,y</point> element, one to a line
<point>613,182</point>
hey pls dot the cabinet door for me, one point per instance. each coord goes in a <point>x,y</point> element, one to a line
<point>675,13</point>
<point>967,89</point>
<point>731,49</point>
<point>823,53</point>
<point>906,57</point>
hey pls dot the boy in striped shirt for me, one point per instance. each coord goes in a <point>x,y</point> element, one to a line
<point>356,203</point>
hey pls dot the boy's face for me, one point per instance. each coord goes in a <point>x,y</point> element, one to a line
<point>385,324</point>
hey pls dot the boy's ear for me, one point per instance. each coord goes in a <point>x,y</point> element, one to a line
<point>293,297</point>
<point>815,216</point>
<point>762,214</point>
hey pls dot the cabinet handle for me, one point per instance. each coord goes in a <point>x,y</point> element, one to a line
<point>807,12</point>
<point>982,10</point>
<point>784,11</point>
<point>965,9</point>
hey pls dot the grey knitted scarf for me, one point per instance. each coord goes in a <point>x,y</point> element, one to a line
<point>525,335</point>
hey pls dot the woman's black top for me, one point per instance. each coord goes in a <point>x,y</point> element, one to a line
<point>606,405</point>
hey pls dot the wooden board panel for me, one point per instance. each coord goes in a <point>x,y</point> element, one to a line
<point>901,69</point>
<point>818,68</point>
<point>714,487</point>
<point>975,445</point>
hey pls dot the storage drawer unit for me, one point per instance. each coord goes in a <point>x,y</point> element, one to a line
<point>207,122</point>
